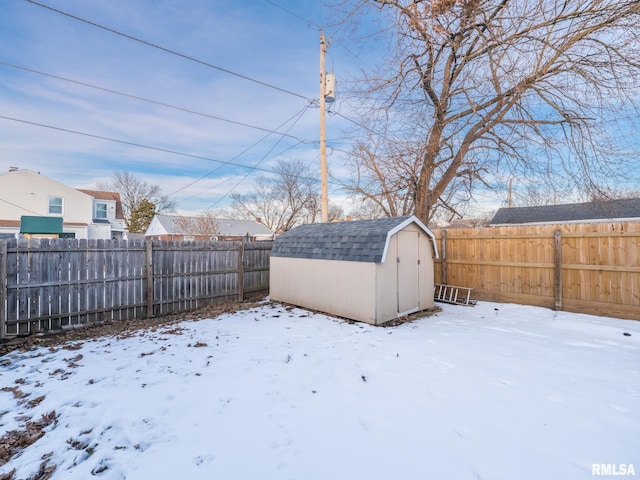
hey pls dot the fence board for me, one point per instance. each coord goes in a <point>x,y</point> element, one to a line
<point>599,265</point>
<point>66,283</point>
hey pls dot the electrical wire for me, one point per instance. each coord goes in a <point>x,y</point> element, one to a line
<point>307,21</point>
<point>168,50</point>
<point>147,100</point>
<point>319,27</point>
<point>148,147</point>
<point>259,163</point>
<point>108,90</point>
<point>18,206</point>
<point>300,113</point>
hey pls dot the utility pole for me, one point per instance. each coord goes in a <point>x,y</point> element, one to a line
<point>510,192</point>
<point>323,131</point>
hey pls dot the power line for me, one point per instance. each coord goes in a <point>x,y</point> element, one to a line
<point>168,50</point>
<point>154,102</point>
<point>307,21</point>
<point>298,114</point>
<point>259,163</point>
<point>140,145</point>
<point>313,24</point>
<point>18,206</point>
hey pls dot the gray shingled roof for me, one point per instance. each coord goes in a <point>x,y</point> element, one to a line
<point>356,241</point>
<point>573,212</point>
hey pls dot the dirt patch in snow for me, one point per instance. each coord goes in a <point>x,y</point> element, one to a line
<point>15,441</point>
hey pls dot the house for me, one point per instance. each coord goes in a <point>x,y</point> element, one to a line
<point>368,270</point>
<point>26,196</point>
<point>108,213</point>
<point>173,227</point>
<point>589,212</point>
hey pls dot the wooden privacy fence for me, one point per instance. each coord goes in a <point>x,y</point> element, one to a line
<point>58,283</point>
<point>585,268</point>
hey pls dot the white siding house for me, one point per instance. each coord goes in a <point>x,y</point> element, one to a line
<point>371,271</point>
<point>27,193</point>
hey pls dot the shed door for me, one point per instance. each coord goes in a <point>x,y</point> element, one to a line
<point>408,272</point>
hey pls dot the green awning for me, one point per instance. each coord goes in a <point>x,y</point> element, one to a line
<point>43,225</point>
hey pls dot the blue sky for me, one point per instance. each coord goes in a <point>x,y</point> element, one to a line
<point>274,42</point>
<point>267,41</point>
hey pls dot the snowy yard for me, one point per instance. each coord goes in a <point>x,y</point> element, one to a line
<point>487,392</point>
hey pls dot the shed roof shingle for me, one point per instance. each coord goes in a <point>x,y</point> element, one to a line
<point>356,241</point>
<point>573,212</point>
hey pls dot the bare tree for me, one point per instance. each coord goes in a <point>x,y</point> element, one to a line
<point>133,191</point>
<point>477,88</point>
<point>384,177</point>
<point>203,224</point>
<point>281,202</point>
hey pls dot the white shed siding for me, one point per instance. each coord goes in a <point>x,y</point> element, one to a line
<point>386,294</point>
<point>387,283</point>
<point>341,288</point>
<point>426,271</point>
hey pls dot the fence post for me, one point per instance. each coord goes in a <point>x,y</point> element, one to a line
<point>3,288</point>
<point>149,270</point>
<point>557,248</point>
<point>241,272</point>
<point>444,257</point>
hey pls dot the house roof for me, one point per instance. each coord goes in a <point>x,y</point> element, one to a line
<point>9,223</point>
<point>573,212</point>
<point>227,227</point>
<point>355,241</point>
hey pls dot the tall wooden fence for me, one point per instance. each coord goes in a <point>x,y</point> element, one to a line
<point>589,268</point>
<point>53,284</point>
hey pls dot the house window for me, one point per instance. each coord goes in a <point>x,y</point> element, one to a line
<point>55,205</point>
<point>101,210</point>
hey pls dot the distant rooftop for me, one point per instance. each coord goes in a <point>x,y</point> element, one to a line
<point>226,226</point>
<point>628,208</point>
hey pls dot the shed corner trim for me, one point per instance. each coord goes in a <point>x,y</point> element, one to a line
<point>400,226</point>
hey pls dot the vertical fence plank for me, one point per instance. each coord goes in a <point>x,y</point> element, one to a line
<point>444,257</point>
<point>3,288</point>
<point>148,268</point>
<point>557,268</point>
<point>240,267</point>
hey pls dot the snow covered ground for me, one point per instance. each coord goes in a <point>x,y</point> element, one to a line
<point>493,391</point>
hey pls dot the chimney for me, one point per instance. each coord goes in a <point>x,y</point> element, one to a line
<point>258,219</point>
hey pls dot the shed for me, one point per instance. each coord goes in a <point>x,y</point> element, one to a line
<point>369,270</point>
